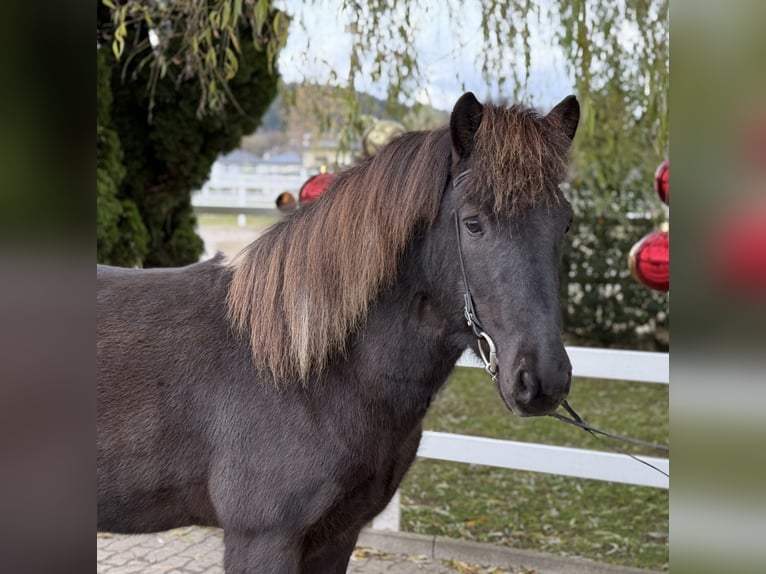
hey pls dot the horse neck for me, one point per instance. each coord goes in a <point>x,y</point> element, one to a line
<point>406,348</point>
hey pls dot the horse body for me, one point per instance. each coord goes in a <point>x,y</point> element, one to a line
<point>207,442</point>
<point>212,412</point>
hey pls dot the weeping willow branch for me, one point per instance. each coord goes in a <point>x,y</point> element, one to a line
<point>192,39</point>
<point>623,44</point>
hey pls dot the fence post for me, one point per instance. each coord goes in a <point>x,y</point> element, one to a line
<point>241,217</point>
<point>390,517</point>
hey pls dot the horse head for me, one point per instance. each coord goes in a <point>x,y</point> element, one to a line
<point>508,219</point>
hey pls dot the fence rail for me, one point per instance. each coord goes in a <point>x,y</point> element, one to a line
<point>638,366</point>
<point>212,206</point>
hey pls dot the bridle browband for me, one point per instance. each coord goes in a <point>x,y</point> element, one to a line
<point>469,311</point>
<point>490,357</point>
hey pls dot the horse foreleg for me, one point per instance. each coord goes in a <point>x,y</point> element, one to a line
<point>261,553</point>
<point>331,559</point>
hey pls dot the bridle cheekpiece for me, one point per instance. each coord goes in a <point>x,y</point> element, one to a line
<point>489,356</point>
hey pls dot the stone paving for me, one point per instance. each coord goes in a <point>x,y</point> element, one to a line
<point>195,550</point>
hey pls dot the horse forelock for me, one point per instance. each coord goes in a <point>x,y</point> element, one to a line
<point>302,288</point>
<point>519,158</point>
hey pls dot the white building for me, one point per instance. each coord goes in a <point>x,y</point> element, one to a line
<point>241,179</point>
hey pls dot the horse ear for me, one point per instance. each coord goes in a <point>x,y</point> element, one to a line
<point>567,115</point>
<point>464,121</point>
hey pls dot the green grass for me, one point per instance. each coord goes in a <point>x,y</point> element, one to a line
<point>255,222</point>
<point>608,522</point>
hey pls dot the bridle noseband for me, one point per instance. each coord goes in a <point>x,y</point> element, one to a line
<point>490,355</point>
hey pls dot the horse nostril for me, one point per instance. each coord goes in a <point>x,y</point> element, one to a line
<point>527,387</point>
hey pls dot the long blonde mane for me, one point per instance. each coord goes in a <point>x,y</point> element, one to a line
<point>302,288</point>
<point>308,282</point>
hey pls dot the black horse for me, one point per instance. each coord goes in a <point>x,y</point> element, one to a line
<point>281,396</point>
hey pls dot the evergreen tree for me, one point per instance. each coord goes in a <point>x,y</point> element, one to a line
<point>167,149</point>
<point>121,236</point>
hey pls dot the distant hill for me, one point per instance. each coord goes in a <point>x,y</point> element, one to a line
<point>306,112</point>
<point>275,118</point>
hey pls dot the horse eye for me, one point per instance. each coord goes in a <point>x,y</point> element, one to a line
<point>473,226</point>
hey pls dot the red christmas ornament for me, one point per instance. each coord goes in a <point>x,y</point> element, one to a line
<point>314,187</point>
<point>738,250</point>
<point>649,261</point>
<point>662,182</point>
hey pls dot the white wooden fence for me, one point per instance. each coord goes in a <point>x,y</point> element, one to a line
<point>636,366</point>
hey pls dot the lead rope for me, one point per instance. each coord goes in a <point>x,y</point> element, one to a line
<point>577,421</point>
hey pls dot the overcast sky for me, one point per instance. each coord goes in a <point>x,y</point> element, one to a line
<point>448,57</point>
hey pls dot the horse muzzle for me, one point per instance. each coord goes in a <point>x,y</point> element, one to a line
<point>536,388</point>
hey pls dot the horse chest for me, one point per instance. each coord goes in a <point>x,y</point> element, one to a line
<point>368,487</point>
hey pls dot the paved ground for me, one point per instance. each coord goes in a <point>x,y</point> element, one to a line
<point>196,550</point>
